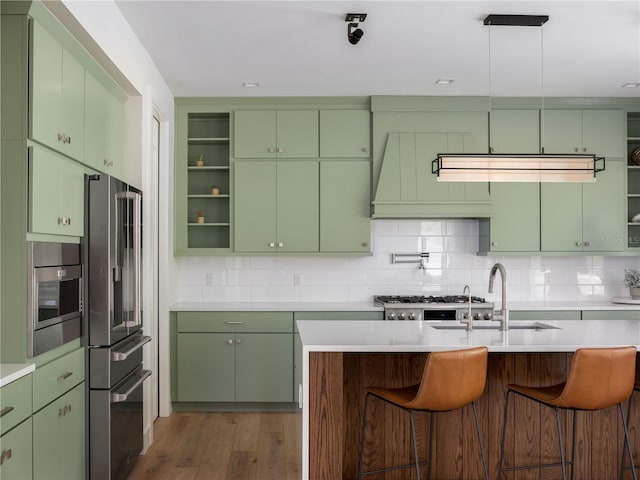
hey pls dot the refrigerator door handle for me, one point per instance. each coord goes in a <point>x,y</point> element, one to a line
<point>120,356</point>
<point>137,257</point>
<point>117,397</point>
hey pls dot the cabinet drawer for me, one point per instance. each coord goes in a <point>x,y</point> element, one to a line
<point>15,403</point>
<point>257,322</point>
<point>57,377</point>
<point>611,315</point>
<point>538,315</point>
<point>17,452</point>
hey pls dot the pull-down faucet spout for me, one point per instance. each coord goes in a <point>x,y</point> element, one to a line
<point>503,313</point>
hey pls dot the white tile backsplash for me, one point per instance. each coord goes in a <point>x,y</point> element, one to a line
<point>453,263</point>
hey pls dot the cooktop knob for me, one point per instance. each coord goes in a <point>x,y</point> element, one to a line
<point>412,316</point>
<point>487,316</point>
<point>401,316</point>
<point>391,316</point>
<point>477,316</point>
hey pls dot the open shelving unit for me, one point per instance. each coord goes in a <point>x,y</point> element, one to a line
<point>633,180</point>
<point>207,139</point>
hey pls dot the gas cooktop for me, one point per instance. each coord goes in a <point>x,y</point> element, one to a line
<point>421,299</point>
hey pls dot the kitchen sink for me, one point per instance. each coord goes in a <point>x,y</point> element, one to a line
<point>488,325</point>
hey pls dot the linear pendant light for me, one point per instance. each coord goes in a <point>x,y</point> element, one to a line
<point>539,167</point>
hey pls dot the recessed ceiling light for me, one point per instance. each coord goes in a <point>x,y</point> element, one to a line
<point>444,81</point>
<point>631,85</point>
<point>250,84</point>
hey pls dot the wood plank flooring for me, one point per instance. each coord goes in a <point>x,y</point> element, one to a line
<point>223,446</point>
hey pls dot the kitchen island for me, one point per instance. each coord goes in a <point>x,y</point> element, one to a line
<point>341,358</point>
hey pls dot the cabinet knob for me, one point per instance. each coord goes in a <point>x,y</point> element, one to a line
<point>280,244</point>
<point>230,342</point>
<point>68,139</point>
<point>272,245</point>
<point>280,150</point>
<point>587,243</point>
<point>491,149</point>
<point>61,137</point>
<point>5,455</point>
<point>578,244</point>
<point>365,149</point>
<point>238,341</point>
<point>575,149</point>
<point>364,244</point>
<point>584,149</point>
<point>271,150</point>
<point>494,244</point>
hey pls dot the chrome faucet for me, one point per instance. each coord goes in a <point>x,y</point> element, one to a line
<point>503,313</point>
<point>469,316</point>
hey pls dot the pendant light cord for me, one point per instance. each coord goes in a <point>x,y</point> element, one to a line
<point>542,88</point>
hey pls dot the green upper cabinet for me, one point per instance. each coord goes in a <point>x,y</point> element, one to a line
<point>104,120</point>
<point>345,133</point>
<point>56,95</point>
<point>598,132</point>
<point>586,217</point>
<point>276,134</point>
<point>276,206</point>
<point>515,207</point>
<point>345,224</point>
<point>56,190</point>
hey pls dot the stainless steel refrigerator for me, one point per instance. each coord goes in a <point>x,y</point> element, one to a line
<point>113,315</point>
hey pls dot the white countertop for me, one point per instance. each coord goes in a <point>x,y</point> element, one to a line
<point>380,336</point>
<point>10,372</point>
<point>369,306</point>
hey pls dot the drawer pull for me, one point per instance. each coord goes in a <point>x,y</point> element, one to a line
<point>6,410</point>
<point>6,455</point>
<point>234,323</point>
<point>63,411</point>
<point>120,356</point>
<point>64,376</point>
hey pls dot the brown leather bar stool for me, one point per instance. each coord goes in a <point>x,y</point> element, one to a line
<point>598,378</point>
<point>450,380</point>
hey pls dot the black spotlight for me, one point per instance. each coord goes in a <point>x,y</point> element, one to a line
<point>354,34</point>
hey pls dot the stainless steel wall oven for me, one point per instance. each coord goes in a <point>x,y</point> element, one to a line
<point>55,295</point>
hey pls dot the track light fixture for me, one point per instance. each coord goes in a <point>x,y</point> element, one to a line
<point>354,34</point>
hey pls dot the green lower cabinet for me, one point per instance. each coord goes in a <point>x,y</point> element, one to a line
<point>241,367</point>
<point>345,223</point>
<point>17,453</point>
<point>59,438</point>
<point>206,367</point>
<point>264,362</point>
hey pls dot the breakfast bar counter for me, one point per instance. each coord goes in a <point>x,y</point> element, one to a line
<point>340,359</point>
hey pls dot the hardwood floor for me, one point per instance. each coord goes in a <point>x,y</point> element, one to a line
<point>223,446</point>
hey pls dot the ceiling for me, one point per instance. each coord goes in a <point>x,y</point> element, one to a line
<point>300,48</point>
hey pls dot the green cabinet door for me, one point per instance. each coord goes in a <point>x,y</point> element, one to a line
<point>345,224</point>
<point>515,207</point>
<point>254,134</point>
<point>57,95</point>
<point>562,131</point>
<point>255,206</point>
<point>115,136</point>
<point>57,194</point>
<point>18,464</point>
<point>271,134</point>
<point>345,133</point>
<point>297,133</point>
<point>603,132</point>
<point>95,106</point>
<point>603,212</point>
<point>264,366</point>
<point>59,438</point>
<point>297,367</point>
<point>205,367</point>
<point>561,217</point>
<point>297,200</point>
<point>46,88</point>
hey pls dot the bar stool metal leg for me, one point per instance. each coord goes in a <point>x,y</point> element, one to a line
<point>431,418</point>
<point>415,445</point>
<point>504,431</point>
<point>627,441</point>
<point>484,459</point>
<point>562,460</point>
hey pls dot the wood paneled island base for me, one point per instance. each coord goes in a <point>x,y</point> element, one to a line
<point>337,382</point>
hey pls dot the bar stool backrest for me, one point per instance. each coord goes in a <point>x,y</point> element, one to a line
<point>451,379</point>
<point>599,378</point>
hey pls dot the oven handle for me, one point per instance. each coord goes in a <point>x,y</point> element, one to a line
<point>121,397</point>
<point>120,356</point>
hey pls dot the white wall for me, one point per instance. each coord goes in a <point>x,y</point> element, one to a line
<point>104,23</point>
<point>452,264</point>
